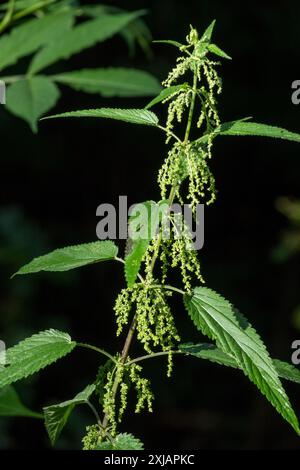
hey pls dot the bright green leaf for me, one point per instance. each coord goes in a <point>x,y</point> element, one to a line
<point>143,225</point>
<point>208,32</point>
<point>134,116</point>
<point>216,317</point>
<point>27,38</point>
<point>123,441</point>
<point>56,416</point>
<point>29,99</point>
<point>85,35</point>
<point>217,51</point>
<point>10,404</point>
<point>252,128</point>
<point>111,82</point>
<point>165,93</point>
<point>33,354</point>
<point>71,257</point>
<point>170,43</point>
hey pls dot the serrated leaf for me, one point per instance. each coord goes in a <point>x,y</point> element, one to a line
<point>29,99</point>
<point>11,405</point>
<point>215,317</point>
<point>27,38</point>
<point>217,51</point>
<point>85,35</point>
<point>287,371</point>
<point>133,116</point>
<point>35,353</point>
<point>143,225</point>
<point>165,93</point>
<point>123,441</point>
<point>111,82</point>
<point>56,416</point>
<point>242,128</point>
<point>206,37</point>
<point>71,257</point>
<point>214,354</point>
<point>169,42</point>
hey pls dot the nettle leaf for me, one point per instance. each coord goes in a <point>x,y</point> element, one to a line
<point>111,82</point>
<point>208,32</point>
<point>10,404</point>
<point>165,93</point>
<point>123,441</point>
<point>169,42</point>
<point>56,416</point>
<point>244,128</point>
<point>71,257</point>
<point>85,35</point>
<point>287,371</point>
<point>143,225</point>
<point>29,99</point>
<point>217,51</point>
<point>134,116</point>
<point>214,354</point>
<point>216,318</point>
<point>27,38</point>
<point>35,353</point>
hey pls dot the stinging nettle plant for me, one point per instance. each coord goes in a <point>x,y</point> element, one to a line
<point>142,308</point>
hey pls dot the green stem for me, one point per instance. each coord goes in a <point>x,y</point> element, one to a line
<point>8,16</point>
<point>192,107</point>
<point>150,356</point>
<point>32,9</point>
<point>13,78</point>
<point>167,287</point>
<point>99,350</point>
<point>171,198</point>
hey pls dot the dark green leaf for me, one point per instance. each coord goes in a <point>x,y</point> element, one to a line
<point>85,35</point>
<point>111,82</point>
<point>216,317</point>
<point>27,38</point>
<point>34,354</point>
<point>56,416</point>
<point>10,404</point>
<point>252,128</point>
<point>29,99</point>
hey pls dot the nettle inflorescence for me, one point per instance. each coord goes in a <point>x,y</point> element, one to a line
<point>143,308</point>
<point>148,300</point>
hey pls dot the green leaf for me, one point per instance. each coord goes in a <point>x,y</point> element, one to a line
<point>208,32</point>
<point>217,51</point>
<point>170,43</point>
<point>216,317</point>
<point>85,35</point>
<point>71,257</point>
<point>10,404</point>
<point>287,371</point>
<point>214,354</point>
<point>27,38</point>
<point>134,116</point>
<point>143,225</point>
<point>111,82</point>
<point>34,354</point>
<point>56,416</point>
<point>252,128</point>
<point>123,441</point>
<point>165,93</point>
<point>29,99</point>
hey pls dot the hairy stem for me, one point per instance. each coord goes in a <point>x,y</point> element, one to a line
<point>171,198</point>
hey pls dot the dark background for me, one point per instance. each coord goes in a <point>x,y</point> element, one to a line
<point>52,183</point>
